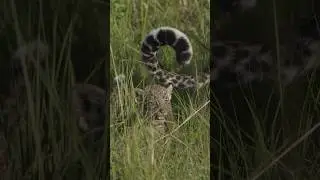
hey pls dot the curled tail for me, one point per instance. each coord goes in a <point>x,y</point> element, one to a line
<point>183,49</point>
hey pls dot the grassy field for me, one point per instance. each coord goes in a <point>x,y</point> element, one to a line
<point>187,154</point>
<point>45,143</point>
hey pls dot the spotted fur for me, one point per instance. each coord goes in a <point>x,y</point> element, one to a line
<point>183,49</point>
<point>153,102</point>
<point>237,63</point>
<point>156,101</point>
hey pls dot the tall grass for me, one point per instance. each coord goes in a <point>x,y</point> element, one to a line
<point>187,154</point>
<point>44,143</point>
<point>268,131</point>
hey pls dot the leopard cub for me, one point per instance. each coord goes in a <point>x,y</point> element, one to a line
<point>156,106</point>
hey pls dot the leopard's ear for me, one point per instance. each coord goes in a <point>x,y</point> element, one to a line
<point>169,90</point>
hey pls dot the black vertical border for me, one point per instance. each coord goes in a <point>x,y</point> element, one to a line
<point>212,34</point>
<point>107,86</point>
